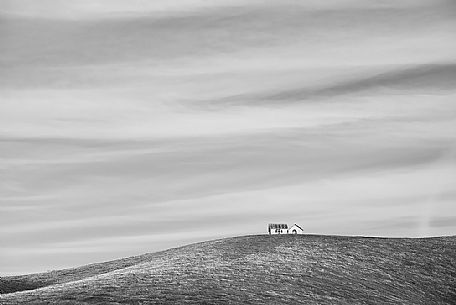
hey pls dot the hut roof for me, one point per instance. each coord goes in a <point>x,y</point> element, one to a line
<point>278,226</point>
<point>298,226</point>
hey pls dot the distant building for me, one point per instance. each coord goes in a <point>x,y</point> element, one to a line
<point>277,228</point>
<point>282,228</point>
<point>295,229</point>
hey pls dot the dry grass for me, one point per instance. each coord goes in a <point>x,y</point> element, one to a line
<point>258,270</point>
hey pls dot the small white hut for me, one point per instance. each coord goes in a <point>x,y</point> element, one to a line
<point>295,229</point>
<point>277,228</point>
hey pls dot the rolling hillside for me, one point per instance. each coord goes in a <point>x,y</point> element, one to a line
<point>257,270</point>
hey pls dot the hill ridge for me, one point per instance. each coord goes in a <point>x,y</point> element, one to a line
<point>260,269</point>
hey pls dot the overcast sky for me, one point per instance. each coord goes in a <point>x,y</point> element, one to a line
<point>133,126</point>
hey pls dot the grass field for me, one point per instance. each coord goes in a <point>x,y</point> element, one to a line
<point>258,269</point>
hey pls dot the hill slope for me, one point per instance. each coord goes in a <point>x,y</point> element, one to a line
<point>259,269</point>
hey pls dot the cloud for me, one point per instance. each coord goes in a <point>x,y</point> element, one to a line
<point>302,29</point>
<point>420,79</point>
<point>423,78</point>
<point>105,8</point>
<point>138,126</point>
<point>443,221</point>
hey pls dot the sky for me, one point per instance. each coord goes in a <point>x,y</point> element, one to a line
<point>134,126</point>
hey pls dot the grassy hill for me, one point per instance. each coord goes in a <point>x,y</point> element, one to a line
<point>256,270</point>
